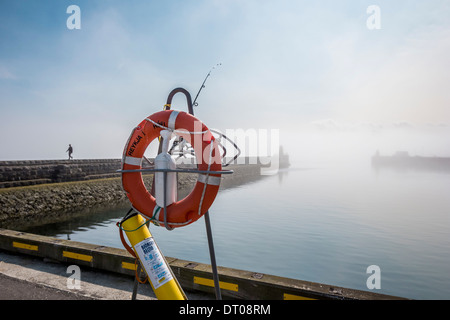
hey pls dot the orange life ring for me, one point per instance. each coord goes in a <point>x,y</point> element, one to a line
<point>197,203</point>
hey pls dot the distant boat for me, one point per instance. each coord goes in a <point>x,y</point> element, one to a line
<point>402,160</point>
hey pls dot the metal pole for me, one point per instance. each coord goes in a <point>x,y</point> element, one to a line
<point>207,221</point>
<point>136,281</point>
<point>213,256</point>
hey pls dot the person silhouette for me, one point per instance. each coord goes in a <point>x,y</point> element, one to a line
<point>70,150</point>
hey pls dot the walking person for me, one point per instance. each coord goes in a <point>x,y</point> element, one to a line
<point>70,150</point>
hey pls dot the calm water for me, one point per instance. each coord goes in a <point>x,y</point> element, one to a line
<point>324,224</point>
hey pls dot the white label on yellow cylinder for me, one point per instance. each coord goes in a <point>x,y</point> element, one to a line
<point>153,262</point>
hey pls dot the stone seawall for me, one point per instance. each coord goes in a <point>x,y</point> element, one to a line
<point>34,205</point>
<point>32,172</point>
<point>48,202</point>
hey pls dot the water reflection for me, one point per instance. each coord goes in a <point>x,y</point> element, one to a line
<point>89,220</point>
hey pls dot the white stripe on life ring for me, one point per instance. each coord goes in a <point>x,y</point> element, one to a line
<point>172,118</point>
<point>133,161</point>
<point>215,181</point>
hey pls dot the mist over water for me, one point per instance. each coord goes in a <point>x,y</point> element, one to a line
<point>330,141</point>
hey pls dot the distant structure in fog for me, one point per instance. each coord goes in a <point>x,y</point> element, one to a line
<point>284,159</point>
<point>402,160</point>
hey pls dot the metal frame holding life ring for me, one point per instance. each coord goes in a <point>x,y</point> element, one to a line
<point>197,203</point>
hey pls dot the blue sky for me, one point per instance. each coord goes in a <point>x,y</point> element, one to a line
<point>292,65</point>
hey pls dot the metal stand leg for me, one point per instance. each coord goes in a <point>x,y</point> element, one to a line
<point>213,256</point>
<point>136,281</point>
<point>135,289</point>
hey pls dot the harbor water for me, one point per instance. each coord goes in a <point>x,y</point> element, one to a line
<point>323,223</point>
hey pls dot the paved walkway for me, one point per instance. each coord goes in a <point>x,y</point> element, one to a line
<point>28,278</point>
<point>17,289</point>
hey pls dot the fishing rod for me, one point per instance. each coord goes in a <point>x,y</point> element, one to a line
<point>215,131</point>
<point>203,84</point>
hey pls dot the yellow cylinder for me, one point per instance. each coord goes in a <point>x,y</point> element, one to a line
<point>161,278</point>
